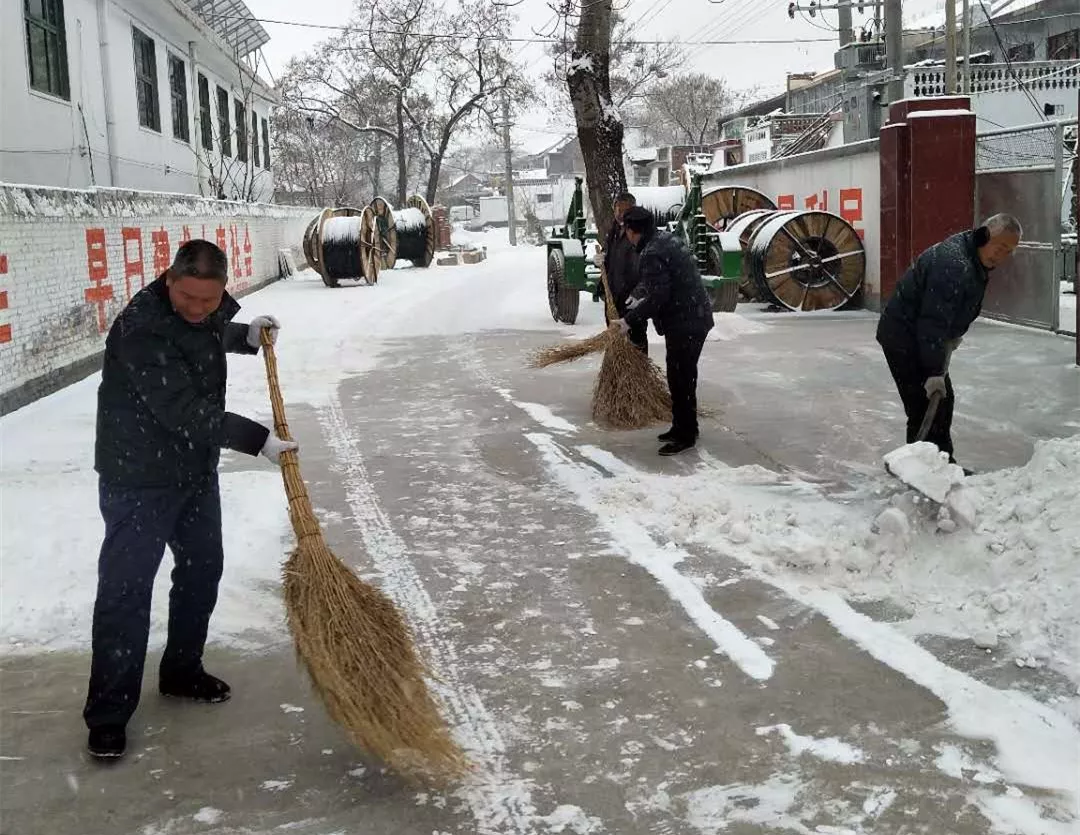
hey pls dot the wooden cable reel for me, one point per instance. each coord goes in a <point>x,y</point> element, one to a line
<point>387,232</point>
<point>723,205</point>
<point>344,246</point>
<point>746,226</point>
<point>416,232</point>
<point>807,261</point>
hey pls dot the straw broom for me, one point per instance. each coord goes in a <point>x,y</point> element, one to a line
<point>631,391</point>
<point>354,642</point>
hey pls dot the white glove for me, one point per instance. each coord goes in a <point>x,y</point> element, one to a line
<point>258,325</point>
<point>936,385</point>
<point>274,446</point>
<point>620,324</point>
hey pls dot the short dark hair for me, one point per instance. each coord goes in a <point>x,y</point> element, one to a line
<point>200,259</point>
<point>639,220</point>
<point>626,197</point>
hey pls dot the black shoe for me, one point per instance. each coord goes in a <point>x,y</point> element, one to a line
<point>666,436</point>
<point>968,473</point>
<point>675,447</point>
<point>107,742</point>
<point>199,686</point>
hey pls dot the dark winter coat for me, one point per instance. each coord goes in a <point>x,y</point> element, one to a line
<point>161,417</point>
<point>620,266</point>
<point>935,302</point>
<point>669,289</point>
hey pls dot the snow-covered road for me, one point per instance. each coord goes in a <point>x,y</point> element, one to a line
<point>622,647</point>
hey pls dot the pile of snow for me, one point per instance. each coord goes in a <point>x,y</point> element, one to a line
<point>1010,577</point>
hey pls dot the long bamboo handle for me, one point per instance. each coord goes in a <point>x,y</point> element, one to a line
<point>301,513</point>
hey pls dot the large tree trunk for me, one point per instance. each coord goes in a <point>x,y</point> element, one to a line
<point>599,128</point>
<point>402,158</point>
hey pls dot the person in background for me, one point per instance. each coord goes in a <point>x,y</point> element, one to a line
<point>933,306</point>
<point>620,263</point>
<point>161,424</point>
<point>670,292</point>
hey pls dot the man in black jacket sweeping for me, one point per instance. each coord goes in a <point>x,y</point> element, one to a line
<point>620,263</point>
<point>933,306</point>
<point>670,292</point>
<point>161,424</point>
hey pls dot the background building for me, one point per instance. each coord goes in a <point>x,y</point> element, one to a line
<point>158,95</point>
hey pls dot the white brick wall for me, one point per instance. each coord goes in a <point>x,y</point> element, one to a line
<point>70,260</point>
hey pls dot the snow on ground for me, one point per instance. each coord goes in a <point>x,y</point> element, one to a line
<point>1067,309</point>
<point>1012,577</point>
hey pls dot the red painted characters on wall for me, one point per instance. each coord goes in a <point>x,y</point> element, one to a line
<point>234,240</point>
<point>850,206</point>
<point>5,328</point>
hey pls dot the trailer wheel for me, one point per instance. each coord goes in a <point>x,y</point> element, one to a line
<point>725,297</point>
<point>562,300</point>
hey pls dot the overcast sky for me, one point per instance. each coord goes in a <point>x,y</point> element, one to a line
<point>744,65</point>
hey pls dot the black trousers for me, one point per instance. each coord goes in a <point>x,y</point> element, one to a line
<point>683,353</point>
<point>139,523</point>
<point>911,384</point>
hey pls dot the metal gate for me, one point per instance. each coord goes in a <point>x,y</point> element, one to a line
<point>1021,171</point>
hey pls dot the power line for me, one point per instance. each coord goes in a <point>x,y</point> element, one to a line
<point>507,38</point>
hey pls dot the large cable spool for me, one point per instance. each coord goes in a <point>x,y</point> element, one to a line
<point>387,232</point>
<point>745,226</point>
<point>309,243</point>
<point>344,246</point>
<point>415,232</point>
<point>723,205</point>
<point>807,261</point>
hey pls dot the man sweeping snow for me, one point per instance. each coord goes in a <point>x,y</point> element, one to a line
<point>161,424</point>
<point>933,306</point>
<point>670,292</point>
<point>620,263</point>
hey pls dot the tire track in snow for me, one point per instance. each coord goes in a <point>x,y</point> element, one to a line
<point>500,801</point>
<point>634,540</point>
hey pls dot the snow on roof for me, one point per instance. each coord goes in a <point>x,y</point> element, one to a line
<point>531,174</point>
<point>642,154</point>
<point>926,114</point>
<point>936,18</point>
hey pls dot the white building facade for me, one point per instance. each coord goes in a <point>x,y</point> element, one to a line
<point>149,95</point>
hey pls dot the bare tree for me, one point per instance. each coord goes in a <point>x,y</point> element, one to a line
<point>686,109</point>
<point>599,127</point>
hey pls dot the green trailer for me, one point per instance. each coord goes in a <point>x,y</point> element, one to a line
<point>570,273</point>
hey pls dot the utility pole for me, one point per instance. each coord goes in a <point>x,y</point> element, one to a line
<point>967,47</point>
<point>511,220</point>
<point>950,47</point>
<point>894,48</point>
<point>847,31</point>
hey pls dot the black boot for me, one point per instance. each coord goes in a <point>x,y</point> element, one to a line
<point>197,685</point>
<point>107,742</point>
<point>675,446</point>
<point>666,436</point>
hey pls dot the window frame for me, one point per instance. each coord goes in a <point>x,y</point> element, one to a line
<point>206,111</point>
<point>152,109</point>
<point>266,143</point>
<point>54,39</point>
<point>1020,52</point>
<point>254,139</point>
<point>1070,37</point>
<point>179,99</point>
<point>224,100</point>
<point>240,116</point>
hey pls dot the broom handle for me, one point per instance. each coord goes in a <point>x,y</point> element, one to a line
<point>301,513</point>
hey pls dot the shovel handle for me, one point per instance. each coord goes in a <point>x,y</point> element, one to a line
<point>928,418</point>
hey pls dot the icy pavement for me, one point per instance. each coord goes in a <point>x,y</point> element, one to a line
<point>624,645</point>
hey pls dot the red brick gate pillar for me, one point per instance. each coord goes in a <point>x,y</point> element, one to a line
<point>927,158</point>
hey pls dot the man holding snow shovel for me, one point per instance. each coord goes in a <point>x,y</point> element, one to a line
<point>933,306</point>
<point>161,424</point>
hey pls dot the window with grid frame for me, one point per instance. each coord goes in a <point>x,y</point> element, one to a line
<point>254,138</point>
<point>146,81</point>
<point>241,131</point>
<point>224,123</point>
<point>206,126</point>
<point>46,47</point>
<point>266,145</point>
<point>1063,47</point>
<point>181,126</point>
<point>1021,52</point>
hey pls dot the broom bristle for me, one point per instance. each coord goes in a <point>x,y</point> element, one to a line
<point>569,351</point>
<point>630,391</point>
<point>359,653</point>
